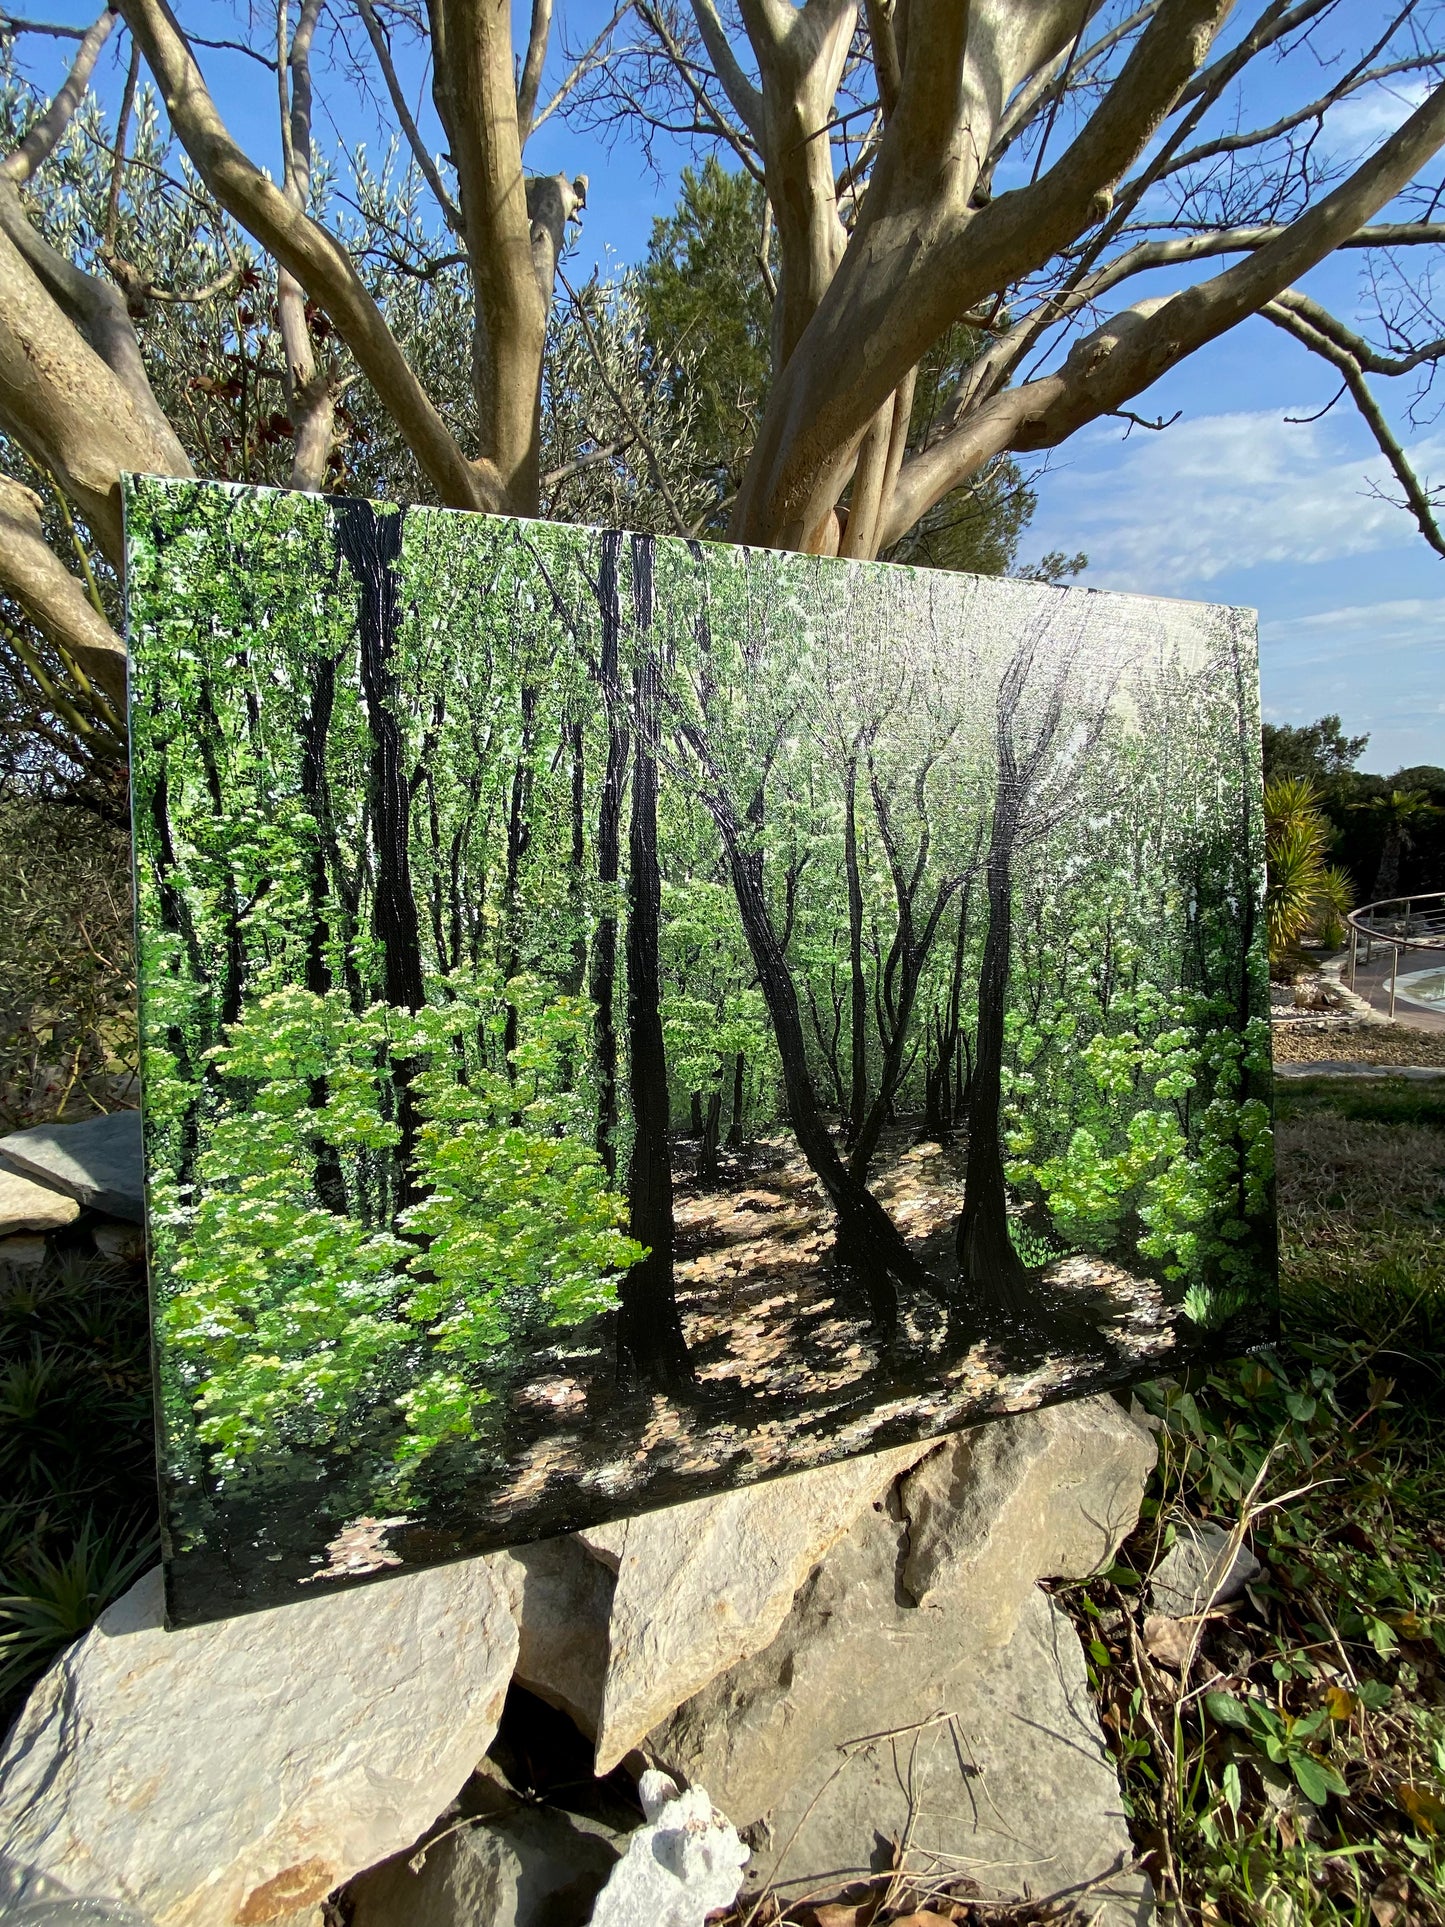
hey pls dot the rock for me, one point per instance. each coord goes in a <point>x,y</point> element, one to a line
<point>230,1775</point>
<point>811,1744</point>
<point>1042,1495</point>
<point>23,1253</point>
<point>1201,1570</point>
<point>704,1584</point>
<point>121,1244</point>
<point>562,1601</point>
<point>28,1206</point>
<point>493,1861</point>
<point>97,1163</point>
<point>686,1863</point>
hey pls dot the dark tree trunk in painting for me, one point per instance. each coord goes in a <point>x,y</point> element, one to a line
<point>735,1117</point>
<point>370,545</point>
<point>858,986</point>
<point>707,1143</point>
<point>233,973</point>
<point>650,1337</point>
<point>868,1239</point>
<point>177,921</point>
<point>943,1104</point>
<point>992,1271</point>
<point>519,842</point>
<point>573,975</point>
<point>330,1184</point>
<point>603,976</point>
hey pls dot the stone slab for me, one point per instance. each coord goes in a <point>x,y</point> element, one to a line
<point>703,1584</point>
<point>28,1206</point>
<point>230,1775</point>
<point>98,1163</point>
<point>988,1759</point>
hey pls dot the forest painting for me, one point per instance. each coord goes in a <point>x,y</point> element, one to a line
<point>624,1016</point>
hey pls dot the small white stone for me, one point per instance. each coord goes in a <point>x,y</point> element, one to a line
<point>686,1863</point>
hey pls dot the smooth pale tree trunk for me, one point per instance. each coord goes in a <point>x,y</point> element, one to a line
<point>603,966</point>
<point>650,1337</point>
<point>370,545</point>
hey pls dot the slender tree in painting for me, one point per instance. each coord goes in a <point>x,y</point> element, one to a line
<point>1038,769</point>
<point>650,1339</point>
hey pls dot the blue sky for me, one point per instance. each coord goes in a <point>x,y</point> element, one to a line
<point>1231,504</point>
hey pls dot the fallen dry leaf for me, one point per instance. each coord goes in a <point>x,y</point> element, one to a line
<point>1424,1806</point>
<point>835,1913</point>
<point>1169,1640</point>
<point>1388,1899</point>
<point>1342,1704</point>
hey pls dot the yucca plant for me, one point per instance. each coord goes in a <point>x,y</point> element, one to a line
<point>1305,895</point>
<point>1334,900</point>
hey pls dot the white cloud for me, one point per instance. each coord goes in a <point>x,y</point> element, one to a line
<point>1365,119</point>
<point>1224,492</point>
<point>1381,665</point>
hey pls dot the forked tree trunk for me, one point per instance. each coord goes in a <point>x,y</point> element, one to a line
<point>868,1239</point>
<point>650,1339</point>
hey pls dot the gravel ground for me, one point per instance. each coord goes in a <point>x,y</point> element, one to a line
<point>1300,1042</point>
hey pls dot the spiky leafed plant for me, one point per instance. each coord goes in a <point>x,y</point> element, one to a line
<point>1296,839</point>
<point>1334,900</point>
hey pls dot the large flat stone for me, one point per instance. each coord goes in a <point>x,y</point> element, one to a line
<point>28,1206</point>
<point>1041,1495</point>
<point>97,1163</point>
<point>702,1585</point>
<point>230,1775</point>
<point>987,1759</point>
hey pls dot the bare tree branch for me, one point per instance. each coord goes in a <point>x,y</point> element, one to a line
<point>1292,319</point>
<point>451,213</point>
<point>531,79</point>
<point>1130,351</point>
<point>41,137</point>
<point>31,571</point>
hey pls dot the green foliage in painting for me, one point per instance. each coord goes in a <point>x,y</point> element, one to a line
<point>540,927</point>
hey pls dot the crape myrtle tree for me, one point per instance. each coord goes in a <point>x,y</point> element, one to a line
<point>1017,170</point>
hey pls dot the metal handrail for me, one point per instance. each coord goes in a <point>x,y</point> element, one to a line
<point>1385,922</point>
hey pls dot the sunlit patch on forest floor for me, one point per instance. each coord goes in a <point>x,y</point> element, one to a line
<point>788,1375</point>
<point>788,1367</point>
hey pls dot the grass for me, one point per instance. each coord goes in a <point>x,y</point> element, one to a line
<point>1288,1766</point>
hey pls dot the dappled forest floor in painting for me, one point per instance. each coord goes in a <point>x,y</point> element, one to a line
<point>787,1366</point>
<point>788,1369</point>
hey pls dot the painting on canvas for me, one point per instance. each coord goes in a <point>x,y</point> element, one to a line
<point>623,1017</point>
